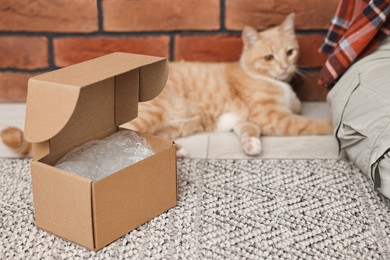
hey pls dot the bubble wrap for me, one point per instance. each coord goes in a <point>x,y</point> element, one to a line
<point>100,158</point>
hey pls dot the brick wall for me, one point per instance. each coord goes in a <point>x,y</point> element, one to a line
<point>41,35</point>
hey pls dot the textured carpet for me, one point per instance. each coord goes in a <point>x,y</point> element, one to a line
<point>251,209</point>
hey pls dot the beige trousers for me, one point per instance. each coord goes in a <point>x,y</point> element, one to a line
<point>360,105</point>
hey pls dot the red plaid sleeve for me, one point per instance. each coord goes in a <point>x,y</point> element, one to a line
<point>356,30</point>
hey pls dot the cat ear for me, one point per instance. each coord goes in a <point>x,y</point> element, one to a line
<point>288,23</point>
<point>249,36</point>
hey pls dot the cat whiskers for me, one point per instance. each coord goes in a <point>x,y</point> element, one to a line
<point>302,74</point>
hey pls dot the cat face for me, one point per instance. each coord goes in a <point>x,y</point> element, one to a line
<point>273,52</point>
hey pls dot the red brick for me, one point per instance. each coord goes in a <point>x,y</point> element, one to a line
<point>261,14</point>
<point>161,15</point>
<point>69,51</point>
<point>208,48</point>
<point>307,89</point>
<point>309,46</point>
<point>23,52</point>
<point>13,86</point>
<point>228,48</point>
<point>49,15</point>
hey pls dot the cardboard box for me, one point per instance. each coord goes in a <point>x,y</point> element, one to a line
<point>73,105</point>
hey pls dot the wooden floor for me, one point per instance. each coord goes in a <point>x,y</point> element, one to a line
<point>223,145</point>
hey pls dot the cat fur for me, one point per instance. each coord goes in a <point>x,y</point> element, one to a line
<point>251,97</point>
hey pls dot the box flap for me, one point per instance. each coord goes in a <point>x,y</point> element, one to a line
<point>119,81</point>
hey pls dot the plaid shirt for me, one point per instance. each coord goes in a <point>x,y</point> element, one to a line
<point>355,31</point>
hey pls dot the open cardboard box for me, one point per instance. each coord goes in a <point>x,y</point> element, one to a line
<point>73,105</point>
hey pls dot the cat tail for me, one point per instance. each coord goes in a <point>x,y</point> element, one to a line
<point>286,123</point>
<point>13,138</point>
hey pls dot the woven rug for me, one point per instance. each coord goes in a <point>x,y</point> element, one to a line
<point>227,209</point>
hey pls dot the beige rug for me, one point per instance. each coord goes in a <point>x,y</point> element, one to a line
<point>227,209</point>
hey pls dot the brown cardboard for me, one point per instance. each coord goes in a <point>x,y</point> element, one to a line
<point>70,106</point>
<point>142,203</point>
<point>58,194</point>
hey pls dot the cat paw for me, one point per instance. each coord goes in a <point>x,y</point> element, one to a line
<point>251,145</point>
<point>296,106</point>
<point>181,152</point>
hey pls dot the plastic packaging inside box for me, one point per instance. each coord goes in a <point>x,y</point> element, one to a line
<point>100,158</point>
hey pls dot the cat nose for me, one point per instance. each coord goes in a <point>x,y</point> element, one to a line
<point>284,67</point>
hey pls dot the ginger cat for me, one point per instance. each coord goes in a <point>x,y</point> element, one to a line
<point>250,97</point>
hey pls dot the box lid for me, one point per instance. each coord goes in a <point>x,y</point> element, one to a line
<point>91,97</point>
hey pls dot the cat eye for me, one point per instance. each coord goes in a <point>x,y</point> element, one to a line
<point>290,52</point>
<point>269,57</point>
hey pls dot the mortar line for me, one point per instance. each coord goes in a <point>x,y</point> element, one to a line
<point>100,15</point>
<point>140,34</point>
<point>52,65</point>
<point>222,17</point>
<point>172,47</point>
